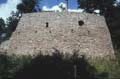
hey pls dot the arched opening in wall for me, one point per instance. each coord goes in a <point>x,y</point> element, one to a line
<point>81,23</point>
<point>47,24</point>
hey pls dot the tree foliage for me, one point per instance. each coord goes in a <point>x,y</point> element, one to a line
<point>11,24</point>
<point>2,25</point>
<point>12,21</point>
<point>9,65</point>
<point>91,5</point>
<point>27,6</point>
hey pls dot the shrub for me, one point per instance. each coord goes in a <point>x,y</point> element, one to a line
<point>9,65</point>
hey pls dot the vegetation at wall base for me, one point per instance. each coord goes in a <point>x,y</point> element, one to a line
<point>9,65</point>
<point>54,66</point>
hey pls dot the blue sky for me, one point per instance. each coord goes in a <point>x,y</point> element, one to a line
<point>6,6</point>
<point>51,3</point>
<point>3,1</point>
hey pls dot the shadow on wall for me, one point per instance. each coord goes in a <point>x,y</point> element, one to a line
<point>57,66</point>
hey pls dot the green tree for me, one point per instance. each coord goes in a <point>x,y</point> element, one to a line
<point>27,6</point>
<point>91,5</point>
<point>2,25</point>
<point>114,26</point>
<point>12,22</point>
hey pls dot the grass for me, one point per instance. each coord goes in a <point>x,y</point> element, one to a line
<point>111,68</point>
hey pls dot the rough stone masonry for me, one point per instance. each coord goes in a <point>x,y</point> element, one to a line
<point>64,31</point>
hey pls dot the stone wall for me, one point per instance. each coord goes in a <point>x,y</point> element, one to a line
<point>67,32</point>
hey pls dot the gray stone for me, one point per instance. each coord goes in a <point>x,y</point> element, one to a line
<point>67,32</point>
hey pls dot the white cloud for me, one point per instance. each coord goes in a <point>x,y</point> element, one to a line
<point>75,10</point>
<point>56,8</point>
<point>59,8</point>
<point>97,11</point>
<point>6,8</point>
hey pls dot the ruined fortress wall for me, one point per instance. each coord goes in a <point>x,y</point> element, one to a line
<point>47,31</point>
